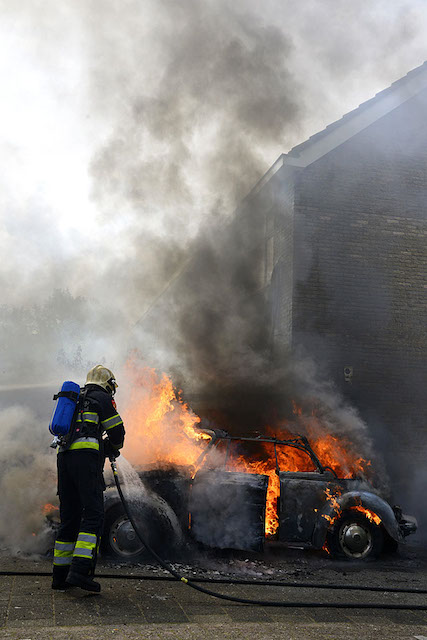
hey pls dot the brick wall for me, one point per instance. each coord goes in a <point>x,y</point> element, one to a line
<point>360,268</point>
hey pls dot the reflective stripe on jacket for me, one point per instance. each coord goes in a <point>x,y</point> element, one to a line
<point>99,416</point>
<point>88,416</point>
<point>85,443</point>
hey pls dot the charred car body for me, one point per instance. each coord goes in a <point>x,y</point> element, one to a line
<point>224,508</point>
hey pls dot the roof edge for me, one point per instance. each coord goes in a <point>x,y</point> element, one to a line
<point>356,121</point>
<point>349,125</point>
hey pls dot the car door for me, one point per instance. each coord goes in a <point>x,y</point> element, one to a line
<point>302,497</point>
<point>227,509</point>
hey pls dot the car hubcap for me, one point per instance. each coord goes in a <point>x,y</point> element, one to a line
<point>355,540</point>
<point>123,539</point>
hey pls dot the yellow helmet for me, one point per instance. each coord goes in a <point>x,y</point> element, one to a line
<point>103,377</point>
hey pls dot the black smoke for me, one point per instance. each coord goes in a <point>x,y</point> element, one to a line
<point>184,106</point>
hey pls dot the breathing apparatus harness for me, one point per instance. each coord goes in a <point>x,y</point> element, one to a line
<point>64,439</point>
<point>265,603</point>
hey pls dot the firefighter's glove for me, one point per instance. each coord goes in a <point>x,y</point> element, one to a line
<point>109,450</point>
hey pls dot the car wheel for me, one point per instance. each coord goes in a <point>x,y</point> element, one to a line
<point>119,538</point>
<point>355,537</point>
<point>156,522</point>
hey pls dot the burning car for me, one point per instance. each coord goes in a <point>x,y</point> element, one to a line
<point>286,493</point>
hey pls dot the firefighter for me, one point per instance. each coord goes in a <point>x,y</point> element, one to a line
<point>81,483</point>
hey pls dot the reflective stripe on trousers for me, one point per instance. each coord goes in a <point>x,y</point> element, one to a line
<point>63,553</point>
<point>85,546</point>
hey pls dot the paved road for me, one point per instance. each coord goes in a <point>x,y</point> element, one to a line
<point>148,608</point>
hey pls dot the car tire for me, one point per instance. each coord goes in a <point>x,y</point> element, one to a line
<point>355,537</point>
<point>120,540</point>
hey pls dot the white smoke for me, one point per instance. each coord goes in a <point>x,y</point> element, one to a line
<point>124,128</point>
<point>156,113</point>
<point>27,481</point>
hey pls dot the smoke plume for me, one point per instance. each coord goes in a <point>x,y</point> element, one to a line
<point>27,481</point>
<point>149,122</point>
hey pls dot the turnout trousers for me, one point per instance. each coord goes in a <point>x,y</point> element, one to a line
<point>81,509</point>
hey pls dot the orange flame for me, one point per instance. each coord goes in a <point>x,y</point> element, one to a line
<point>332,498</point>
<point>338,455</point>
<point>266,467</point>
<point>160,427</point>
<point>326,548</point>
<point>372,517</point>
<point>48,508</point>
<point>162,430</point>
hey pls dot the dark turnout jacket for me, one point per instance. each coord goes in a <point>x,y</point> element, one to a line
<point>81,483</point>
<point>98,416</point>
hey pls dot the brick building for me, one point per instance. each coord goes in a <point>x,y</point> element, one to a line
<point>333,237</point>
<point>345,258</point>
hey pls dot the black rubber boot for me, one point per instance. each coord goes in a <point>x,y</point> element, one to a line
<point>59,576</point>
<point>83,581</point>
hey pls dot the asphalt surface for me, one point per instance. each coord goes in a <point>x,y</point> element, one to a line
<point>150,608</point>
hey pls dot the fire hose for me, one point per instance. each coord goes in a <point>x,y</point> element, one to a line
<point>265,603</point>
<point>176,576</point>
